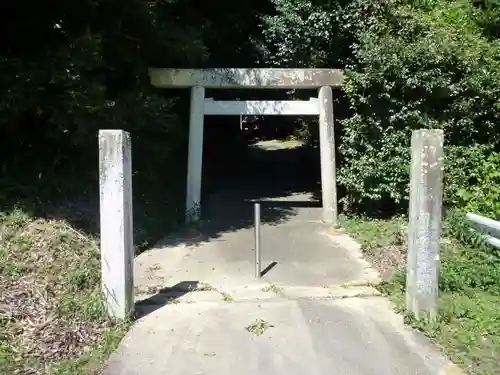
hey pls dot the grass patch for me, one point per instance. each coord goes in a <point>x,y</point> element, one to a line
<point>468,325</point>
<point>272,288</point>
<point>258,327</point>
<point>52,317</point>
<point>382,241</point>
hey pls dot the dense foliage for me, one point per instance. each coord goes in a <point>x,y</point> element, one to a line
<point>418,70</point>
<point>68,69</point>
<point>410,65</point>
<point>413,64</point>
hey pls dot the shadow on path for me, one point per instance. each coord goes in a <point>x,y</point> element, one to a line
<point>282,176</point>
<point>163,297</point>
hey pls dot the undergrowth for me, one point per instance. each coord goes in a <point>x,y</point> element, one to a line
<point>468,325</point>
<point>52,316</point>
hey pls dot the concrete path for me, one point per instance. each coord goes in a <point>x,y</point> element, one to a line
<point>201,311</point>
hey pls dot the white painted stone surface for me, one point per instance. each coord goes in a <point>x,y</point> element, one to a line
<point>426,200</point>
<point>327,152</point>
<point>258,107</point>
<point>117,245</point>
<point>195,154</point>
<point>246,78</point>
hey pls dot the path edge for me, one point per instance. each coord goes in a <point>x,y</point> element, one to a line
<point>373,279</point>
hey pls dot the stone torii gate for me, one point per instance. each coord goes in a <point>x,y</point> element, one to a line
<point>198,80</point>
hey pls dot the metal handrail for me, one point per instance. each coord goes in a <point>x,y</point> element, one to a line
<point>490,227</point>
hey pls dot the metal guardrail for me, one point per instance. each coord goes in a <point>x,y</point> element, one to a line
<point>490,228</point>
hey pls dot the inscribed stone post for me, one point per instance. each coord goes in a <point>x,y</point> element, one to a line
<point>426,196</point>
<point>117,247</point>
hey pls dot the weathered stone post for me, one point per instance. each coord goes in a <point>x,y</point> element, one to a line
<point>195,154</point>
<point>117,244</point>
<point>327,152</point>
<point>426,197</point>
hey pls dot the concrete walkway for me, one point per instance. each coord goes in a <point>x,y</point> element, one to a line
<point>201,311</point>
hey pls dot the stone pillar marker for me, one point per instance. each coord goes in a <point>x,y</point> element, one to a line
<point>195,154</point>
<point>327,151</point>
<point>424,230</point>
<point>117,245</point>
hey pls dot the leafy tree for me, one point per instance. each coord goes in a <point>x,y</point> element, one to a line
<point>68,69</point>
<point>409,65</point>
<point>305,33</point>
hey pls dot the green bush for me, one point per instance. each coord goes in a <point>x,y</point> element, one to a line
<point>417,69</point>
<point>482,196</point>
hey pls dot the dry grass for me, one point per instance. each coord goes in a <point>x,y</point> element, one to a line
<point>384,242</point>
<point>52,319</point>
